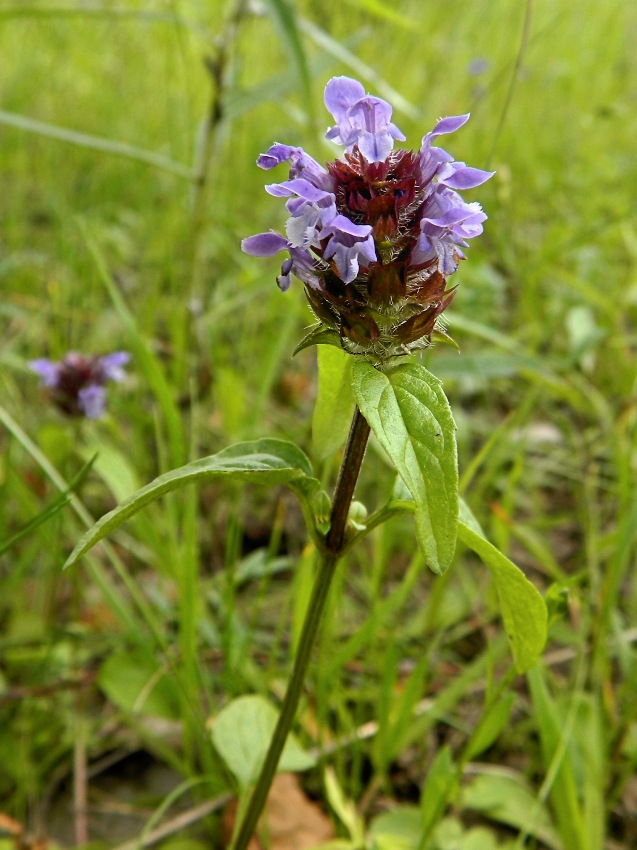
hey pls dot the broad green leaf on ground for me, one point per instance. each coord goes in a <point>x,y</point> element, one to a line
<point>136,684</point>
<point>268,462</point>
<point>241,733</point>
<point>335,400</point>
<point>399,829</point>
<point>450,834</point>
<point>410,416</point>
<point>508,800</point>
<point>521,604</point>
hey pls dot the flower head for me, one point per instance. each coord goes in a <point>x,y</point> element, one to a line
<point>76,383</point>
<point>374,235</point>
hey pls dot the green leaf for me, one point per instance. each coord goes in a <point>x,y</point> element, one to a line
<point>506,799</point>
<point>268,462</point>
<point>440,783</point>
<point>399,829</point>
<point>450,834</point>
<point>137,684</point>
<point>523,610</point>
<point>409,414</point>
<point>335,844</point>
<point>440,336</point>
<point>478,838</point>
<point>492,723</point>
<point>241,734</point>
<point>97,143</point>
<point>319,335</point>
<point>335,401</point>
<point>114,467</point>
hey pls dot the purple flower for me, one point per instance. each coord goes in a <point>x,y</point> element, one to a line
<point>310,209</point>
<point>76,383</point>
<point>349,242</point>
<point>374,235</point>
<point>361,119</point>
<point>301,165</point>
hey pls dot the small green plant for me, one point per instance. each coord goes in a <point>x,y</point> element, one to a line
<point>374,238</point>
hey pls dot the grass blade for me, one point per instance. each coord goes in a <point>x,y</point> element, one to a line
<point>97,143</point>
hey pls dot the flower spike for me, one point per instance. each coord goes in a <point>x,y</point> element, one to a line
<point>375,235</point>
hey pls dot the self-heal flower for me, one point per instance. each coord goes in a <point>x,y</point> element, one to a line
<point>76,383</point>
<point>374,236</point>
<point>362,120</point>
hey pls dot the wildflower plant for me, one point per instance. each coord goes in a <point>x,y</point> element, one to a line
<point>374,237</point>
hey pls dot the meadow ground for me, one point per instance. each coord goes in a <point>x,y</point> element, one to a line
<point>128,138</point>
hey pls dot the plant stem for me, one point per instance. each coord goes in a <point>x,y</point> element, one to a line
<point>334,545</point>
<point>346,482</point>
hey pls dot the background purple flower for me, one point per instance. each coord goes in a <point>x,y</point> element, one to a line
<point>76,383</point>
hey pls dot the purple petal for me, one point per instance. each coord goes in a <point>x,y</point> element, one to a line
<point>299,187</point>
<point>370,113</point>
<point>375,148</point>
<point>277,154</point>
<point>302,230</point>
<point>264,244</point>
<point>112,364</point>
<point>301,164</point>
<point>300,262</point>
<point>348,242</point>
<point>342,224</point>
<point>449,125</point>
<point>283,280</point>
<point>309,208</point>
<point>47,370</point>
<point>92,400</point>
<point>456,215</point>
<point>340,94</point>
<point>462,176</point>
<point>442,250</point>
<point>432,159</point>
<point>361,119</point>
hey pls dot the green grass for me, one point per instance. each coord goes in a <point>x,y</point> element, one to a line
<point>107,244</point>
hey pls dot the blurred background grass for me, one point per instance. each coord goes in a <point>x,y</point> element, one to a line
<point>128,180</point>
